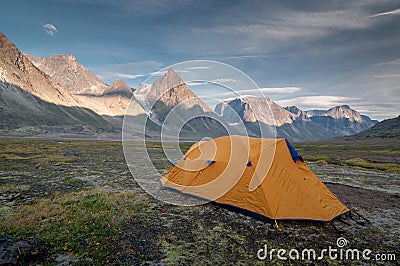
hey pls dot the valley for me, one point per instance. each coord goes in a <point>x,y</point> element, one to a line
<point>80,204</point>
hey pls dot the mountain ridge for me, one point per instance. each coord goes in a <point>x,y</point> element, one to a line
<point>388,128</point>
<point>66,70</point>
<point>21,78</point>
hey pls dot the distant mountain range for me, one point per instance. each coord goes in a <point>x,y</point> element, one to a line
<point>291,122</point>
<point>58,94</point>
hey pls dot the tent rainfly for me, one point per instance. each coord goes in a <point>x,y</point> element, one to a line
<point>266,178</point>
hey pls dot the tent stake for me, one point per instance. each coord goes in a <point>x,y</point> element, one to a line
<point>279,229</point>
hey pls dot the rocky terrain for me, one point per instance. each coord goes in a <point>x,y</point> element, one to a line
<point>67,71</point>
<point>67,201</point>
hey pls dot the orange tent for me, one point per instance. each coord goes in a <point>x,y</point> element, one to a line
<point>265,177</point>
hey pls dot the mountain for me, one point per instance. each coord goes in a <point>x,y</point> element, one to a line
<point>59,92</point>
<point>67,71</point>
<point>252,109</point>
<point>119,87</point>
<point>170,97</point>
<point>389,128</point>
<point>30,97</point>
<point>169,92</point>
<point>341,120</point>
<point>298,112</point>
<point>337,121</point>
<point>292,122</point>
<point>338,112</point>
<point>16,69</point>
<point>23,112</point>
<point>109,101</point>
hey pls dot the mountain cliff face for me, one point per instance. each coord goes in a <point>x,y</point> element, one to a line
<point>169,92</point>
<point>339,112</point>
<point>109,101</point>
<point>16,69</point>
<point>67,71</point>
<point>30,97</point>
<point>252,109</point>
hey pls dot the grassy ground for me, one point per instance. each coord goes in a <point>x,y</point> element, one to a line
<point>79,202</point>
<point>379,154</point>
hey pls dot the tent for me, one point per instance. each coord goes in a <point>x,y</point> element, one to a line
<point>263,177</point>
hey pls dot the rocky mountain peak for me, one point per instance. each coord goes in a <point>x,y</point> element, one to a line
<point>18,70</point>
<point>6,44</point>
<point>118,87</point>
<point>119,83</point>
<point>171,90</point>
<point>170,80</point>
<point>298,112</point>
<point>71,74</point>
<point>344,111</point>
<point>10,54</point>
<point>294,109</point>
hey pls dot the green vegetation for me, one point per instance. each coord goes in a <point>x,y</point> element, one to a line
<point>383,155</point>
<point>380,166</point>
<point>85,223</point>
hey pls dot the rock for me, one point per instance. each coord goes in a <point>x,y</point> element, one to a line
<point>21,252</point>
<point>72,153</point>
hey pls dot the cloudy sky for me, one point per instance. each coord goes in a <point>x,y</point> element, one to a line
<point>312,54</point>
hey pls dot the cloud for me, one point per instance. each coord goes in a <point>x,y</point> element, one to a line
<point>50,29</point>
<point>131,70</point>
<point>312,102</point>
<point>272,31</point>
<point>256,92</point>
<point>387,76</point>
<point>393,12</point>
<point>279,90</point>
<point>198,67</point>
<point>114,75</point>
<point>221,81</point>
<point>139,7</point>
<point>391,62</point>
<point>163,72</point>
<point>255,56</point>
<point>261,92</point>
